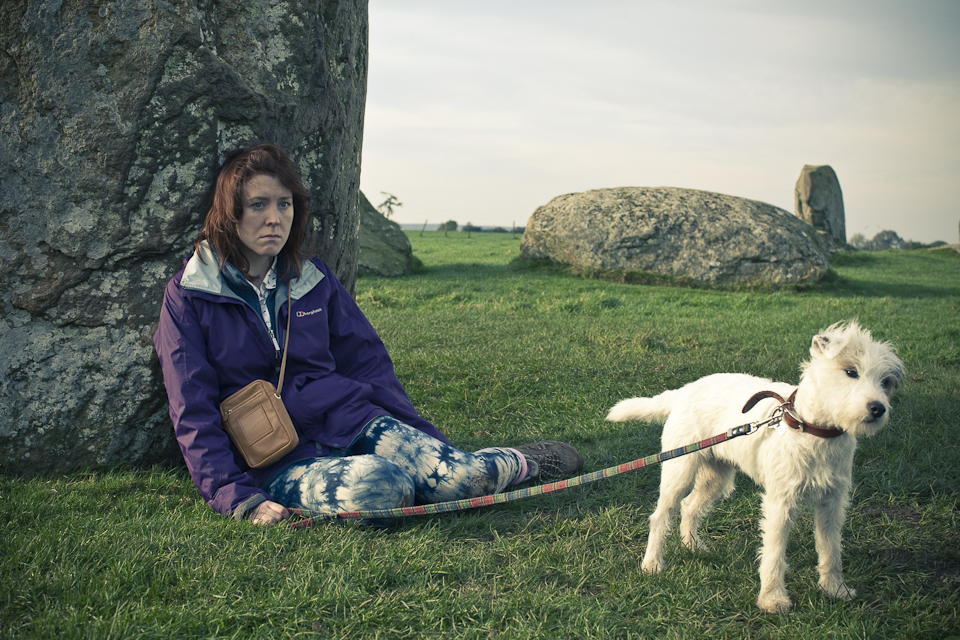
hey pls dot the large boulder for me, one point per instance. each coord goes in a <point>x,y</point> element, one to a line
<point>701,237</point>
<point>384,248</point>
<point>818,201</point>
<point>112,119</point>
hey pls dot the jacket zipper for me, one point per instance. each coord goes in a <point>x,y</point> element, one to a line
<point>276,338</point>
<point>276,344</point>
<point>273,337</point>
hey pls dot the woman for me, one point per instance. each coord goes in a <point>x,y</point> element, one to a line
<point>362,444</point>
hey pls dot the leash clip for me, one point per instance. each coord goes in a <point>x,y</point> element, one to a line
<point>746,429</point>
<point>776,419</point>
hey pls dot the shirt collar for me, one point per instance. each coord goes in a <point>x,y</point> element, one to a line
<point>270,279</point>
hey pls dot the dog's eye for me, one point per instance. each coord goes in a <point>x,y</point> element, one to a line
<point>888,383</point>
<point>851,373</point>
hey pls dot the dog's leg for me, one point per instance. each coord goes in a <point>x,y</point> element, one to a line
<point>829,514</point>
<point>778,515</point>
<point>676,479</point>
<point>714,480</point>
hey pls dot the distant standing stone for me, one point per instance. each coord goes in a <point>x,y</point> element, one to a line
<point>818,201</point>
<point>707,238</point>
<point>888,239</point>
<point>384,248</point>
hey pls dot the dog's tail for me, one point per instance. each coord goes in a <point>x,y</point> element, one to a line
<point>655,409</point>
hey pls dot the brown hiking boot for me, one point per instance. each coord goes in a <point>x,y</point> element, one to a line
<point>551,459</point>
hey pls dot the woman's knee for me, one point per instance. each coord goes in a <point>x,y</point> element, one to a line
<point>354,483</point>
<point>376,483</point>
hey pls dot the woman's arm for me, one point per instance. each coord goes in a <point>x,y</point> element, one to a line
<point>193,391</point>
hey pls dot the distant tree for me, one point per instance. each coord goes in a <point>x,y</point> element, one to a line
<point>860,241</point>
<point>449,225</point>
<point>386,207</point>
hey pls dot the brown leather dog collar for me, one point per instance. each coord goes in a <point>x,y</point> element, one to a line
<point>790,416</point>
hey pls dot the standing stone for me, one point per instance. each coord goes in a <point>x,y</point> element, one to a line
<point>888,239</point>
<point>696,236</point>
<point>385,249</point>
<point>113,120</point>
<point>818,201</point>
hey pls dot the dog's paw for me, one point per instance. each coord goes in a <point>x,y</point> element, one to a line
<point>837,589</point>
<point>776,601</point>
<point>695,544</point>
<point>653,566</point>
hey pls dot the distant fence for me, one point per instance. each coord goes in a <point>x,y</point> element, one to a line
<point>462,229</point>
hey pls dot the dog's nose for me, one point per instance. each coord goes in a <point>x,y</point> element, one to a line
<point>876,409</point>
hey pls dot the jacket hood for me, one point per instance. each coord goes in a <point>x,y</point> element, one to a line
<point>202,273</point>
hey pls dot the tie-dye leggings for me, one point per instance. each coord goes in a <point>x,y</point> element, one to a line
<point>392,465</point>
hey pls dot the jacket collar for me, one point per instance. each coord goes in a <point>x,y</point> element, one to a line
<point>202,273</point>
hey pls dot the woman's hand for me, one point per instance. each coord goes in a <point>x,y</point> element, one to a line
<point>268,513</point>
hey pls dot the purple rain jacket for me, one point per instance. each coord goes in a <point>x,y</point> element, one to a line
<point>211,343</point>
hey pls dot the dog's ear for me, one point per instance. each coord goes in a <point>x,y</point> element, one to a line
<point>826,345</point>
<point>894,379</point>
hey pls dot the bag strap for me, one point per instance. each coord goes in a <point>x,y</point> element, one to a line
<point>286,341</point>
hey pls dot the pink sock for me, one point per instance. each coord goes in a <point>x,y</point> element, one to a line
<point>524,468</point>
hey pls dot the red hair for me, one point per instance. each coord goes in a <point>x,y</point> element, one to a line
<point>226,206</point>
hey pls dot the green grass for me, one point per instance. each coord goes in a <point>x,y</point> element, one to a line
<point>496,355</point>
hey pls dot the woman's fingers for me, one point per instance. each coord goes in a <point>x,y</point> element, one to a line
<point>269,513</point>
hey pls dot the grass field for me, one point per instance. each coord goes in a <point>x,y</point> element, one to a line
<point>495,355</point>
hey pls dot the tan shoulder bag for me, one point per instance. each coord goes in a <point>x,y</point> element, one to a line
<point>256,420</point>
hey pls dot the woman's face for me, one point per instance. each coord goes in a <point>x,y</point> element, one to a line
<point>265,222</point>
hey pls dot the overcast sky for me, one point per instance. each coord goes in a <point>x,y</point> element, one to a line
<point>482,111</point>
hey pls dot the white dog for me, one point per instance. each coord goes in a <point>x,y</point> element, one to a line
<point>844,393</point>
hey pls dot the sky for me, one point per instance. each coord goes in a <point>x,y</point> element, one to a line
<point>482,111</point>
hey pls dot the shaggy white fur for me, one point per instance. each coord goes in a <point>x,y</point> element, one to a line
<point>846,384</point>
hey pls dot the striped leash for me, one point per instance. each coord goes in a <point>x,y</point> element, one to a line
<point>310,517</point>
